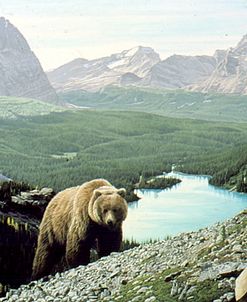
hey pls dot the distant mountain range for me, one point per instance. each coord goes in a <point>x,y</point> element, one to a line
<point>224,72</point>
<point>139,66</point>
<point>21,74</point>
<point>125,68</point>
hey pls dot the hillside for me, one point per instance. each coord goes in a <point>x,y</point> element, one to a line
<point>21,74</point>
<point>229,168</point>
<point>68,148</point>
<point>172,103</point>
<point>13,107</point>
<point>197,266</point>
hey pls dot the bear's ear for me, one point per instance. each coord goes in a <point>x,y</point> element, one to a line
<point>121,192</point>
<point>97,193</point>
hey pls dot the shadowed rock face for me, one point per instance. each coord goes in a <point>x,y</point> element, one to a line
<point>21,74</point>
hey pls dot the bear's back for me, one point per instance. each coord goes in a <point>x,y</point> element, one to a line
<point>58,213</point>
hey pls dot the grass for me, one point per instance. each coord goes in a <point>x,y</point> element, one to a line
<point>14,107</point>
<point>156,286</point>
<point>159,288</point>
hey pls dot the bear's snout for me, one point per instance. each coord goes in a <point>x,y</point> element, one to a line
<point>109,222</point>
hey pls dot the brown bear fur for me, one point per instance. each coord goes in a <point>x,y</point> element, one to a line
<point>75,220</point>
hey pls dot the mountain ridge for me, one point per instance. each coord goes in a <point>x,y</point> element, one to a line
<point>92,75</point>
<point>230,74</point>
<point>224,72</point>
<point>21,74</point>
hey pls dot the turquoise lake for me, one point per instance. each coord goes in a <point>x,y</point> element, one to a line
<point>188,206</point>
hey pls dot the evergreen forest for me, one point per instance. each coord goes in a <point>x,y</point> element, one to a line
<point>65,149</point>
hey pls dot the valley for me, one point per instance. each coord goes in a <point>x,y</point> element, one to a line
<point>119,146</point>
<point>172,103</point>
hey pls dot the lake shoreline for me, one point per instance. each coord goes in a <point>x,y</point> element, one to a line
<point>187,206</point>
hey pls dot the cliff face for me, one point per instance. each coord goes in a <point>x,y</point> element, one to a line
<point>21,74</point>
<point>230,75</point>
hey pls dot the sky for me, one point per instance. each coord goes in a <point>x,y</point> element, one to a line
<point>59,31</point>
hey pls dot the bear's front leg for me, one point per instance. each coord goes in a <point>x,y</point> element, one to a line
<point>47,255</point>
<point>77,251</point>
<point>108,241</point>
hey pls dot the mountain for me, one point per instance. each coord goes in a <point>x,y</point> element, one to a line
<point>139,66</point>
<point>123,68</point>
<point>21,74</point>
<point>179,71</point>
<point>224,72</point>
<point>230,75</point>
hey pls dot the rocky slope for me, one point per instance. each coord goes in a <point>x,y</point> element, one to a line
<point>122,69</point>
<point>21,74</point>
<point>195,266</point>
<point>179,71</point>
<point>230,75</point>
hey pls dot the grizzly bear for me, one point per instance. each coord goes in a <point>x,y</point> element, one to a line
<point>76,220</point>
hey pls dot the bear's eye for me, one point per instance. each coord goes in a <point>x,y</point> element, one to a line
<point>105,211</point>
<point>114,210</point>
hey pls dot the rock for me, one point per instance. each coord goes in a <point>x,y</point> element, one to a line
<point>34,198</point>
<point>46,192</point>
<point>237,248</point>
<point>150,299</point>
<point>174,290</point>
<point>241,286</point>
<point>223,270</point>
<point>136,299</point>
<point>229,296</point>
<point>185,263</point>
<point>171,276</point>
<point>183,293</point>
<point>142,290</point>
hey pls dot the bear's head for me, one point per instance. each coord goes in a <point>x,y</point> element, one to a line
<point>108,207</point>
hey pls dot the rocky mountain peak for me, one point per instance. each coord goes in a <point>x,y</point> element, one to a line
<point>10,37</point>
<point>140,50</point>
<point>241,48</point>
<point>230,74</point>
<point>21,74</point>
<point>124,68</point>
